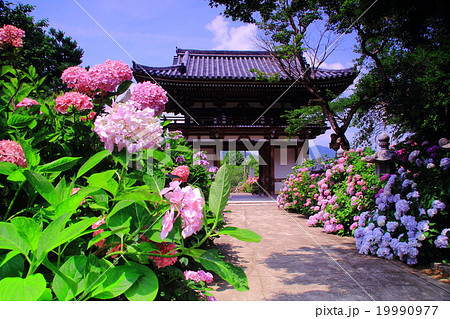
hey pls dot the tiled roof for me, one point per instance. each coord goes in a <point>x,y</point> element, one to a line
<point>225,65</point>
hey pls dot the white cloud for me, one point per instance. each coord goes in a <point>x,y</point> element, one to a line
<point>332,66</point>
<point>232,38</point>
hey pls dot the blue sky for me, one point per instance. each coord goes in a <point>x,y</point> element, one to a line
<point>148,31</point>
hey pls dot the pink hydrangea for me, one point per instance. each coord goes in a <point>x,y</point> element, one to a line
<point>101,77</point>
<point>127,127</point>
<point>188,202</point>
<point>182,172</point>
<point>12,152</point>
<point>77,78</point>
<point>164,249</point>
<point>27,102</point>
<point>75,99</point>
<point>11,35</point>
<point>106,77</point>
<point>150,95</point>
<point>198,276</point>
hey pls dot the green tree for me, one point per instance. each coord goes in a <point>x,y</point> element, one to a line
<point>50,52</point>
<point>403,61</point>
<point>233,158</point>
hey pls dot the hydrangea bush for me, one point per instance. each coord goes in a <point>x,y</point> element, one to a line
<point>402,215</point>
<point>98,200</point>
<point>334,197</point>
<point>411,220</point>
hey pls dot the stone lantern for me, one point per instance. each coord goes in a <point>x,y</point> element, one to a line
<point>340,153</point>
<point>384,158</point>
<point>317,169</point>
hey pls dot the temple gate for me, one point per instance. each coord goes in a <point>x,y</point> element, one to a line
<point>219,105</point>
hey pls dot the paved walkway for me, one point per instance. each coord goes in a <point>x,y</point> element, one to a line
<point>296,262</point>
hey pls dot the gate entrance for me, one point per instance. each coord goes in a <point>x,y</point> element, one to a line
<point>217,102</point>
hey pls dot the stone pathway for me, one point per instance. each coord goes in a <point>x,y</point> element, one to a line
<point>296,262</point>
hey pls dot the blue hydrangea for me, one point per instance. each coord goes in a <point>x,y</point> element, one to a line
<point>445,163</point>
<point>423,226</point>
<point>381,221</point>
<point>391,226</point>
<point>437,204</point>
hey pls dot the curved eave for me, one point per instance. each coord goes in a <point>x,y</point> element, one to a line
<point>173,73</point>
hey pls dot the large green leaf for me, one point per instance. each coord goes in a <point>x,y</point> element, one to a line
<point>92,162</point>
<point>59,165</point>
<point>70,204</point>
<point>118,280</point>
<point>75,268</point>
<point>155,181</point>
<point>72,232</point>
<point>234,275</point>
<point>241,234</point>
<point>42,186</point>
<point>220,191</point>
<point>146,287</point>
<point>10,239</point>
<point>48,236</point>
<point>19,120</point>
<point>105,181</point>
<point>137,193</point>
<point>11,264</point>
<point>7,168</point>
<point>22,289</point>
<point>28,229</point>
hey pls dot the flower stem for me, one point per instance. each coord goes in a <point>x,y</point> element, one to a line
<point>13,200</point>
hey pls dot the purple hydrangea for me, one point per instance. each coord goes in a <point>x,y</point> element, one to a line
<point>437,204</point>
<point>391,226</point>
<point>445,163</point>
<point>442,240</point>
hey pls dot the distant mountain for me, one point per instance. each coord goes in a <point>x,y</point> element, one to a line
<point>322,150</point>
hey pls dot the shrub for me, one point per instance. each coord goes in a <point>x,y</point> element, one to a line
<point>411,220</point>
<point>81,222</point>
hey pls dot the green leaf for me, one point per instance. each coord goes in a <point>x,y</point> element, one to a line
<point>220,191</point>
<point>31,155</point>
<point>10,239</point>
<point>92,162</point>
<point>155,181</point>
<point>140,193</point>
<point>46,295</point>
<point>118,280</point>
<point>73,231</point>
<point>11,264</point>
<point>241,234</point>
<point>22,289</point>
<point>123,87</point>
<point>71,204</point>
<point>160,156</point>
<point>105,234</point>
<point>105,181</point>
<point>28,229</point>
<point>42,186</point>
<point>7,168</point>
<point>146,287</point>
<point>7,69</point>
<point>70,282</point>
<point>59,165</point>
<point>48,236</point>
<point>234,275</point>
<point>16,176</point>
<point>19,120</point>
